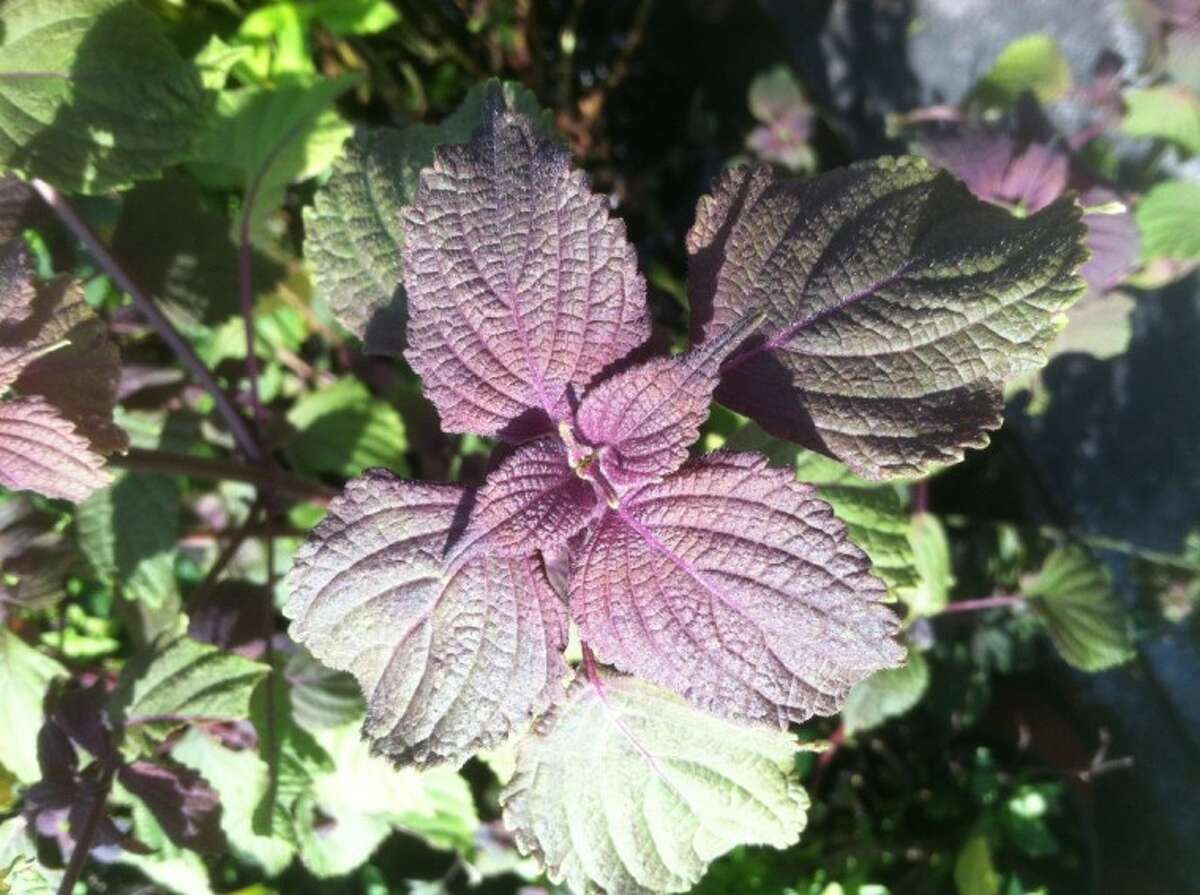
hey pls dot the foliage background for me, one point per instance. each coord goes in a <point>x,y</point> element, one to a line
<point>1010,772</point>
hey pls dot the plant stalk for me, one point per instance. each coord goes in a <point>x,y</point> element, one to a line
<point>85,836</point>
<point>268,478</point>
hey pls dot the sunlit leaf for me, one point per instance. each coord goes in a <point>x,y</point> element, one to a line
<point>625,788</point>
<point>343,429</point>
<point>1169,112</point>
<point>886,694</point>
<point>25,675</point>
<point>896,303</point>
<point>1166,218</point>
<point>94,96</point>
<point>1032,63</point>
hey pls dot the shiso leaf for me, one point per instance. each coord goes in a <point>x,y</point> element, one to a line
<point>1072,595</point>
<point>521,286</point>
<point>41,451</point>
<point>896,302</point>
<point>532,500</point>
<point>625,789</point>
<point>94,95</point>
<point>1166,218</point>
<point>886,694</point>
<point>735,586</point>
<point>451,657</point>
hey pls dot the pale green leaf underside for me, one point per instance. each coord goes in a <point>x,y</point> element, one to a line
<point>631,791</point>
<point>24,676</point>
<point>1166,218</point>
<point>355,241</point>
<point>875,515</point>
<point>886,694</point>
<point>1072,595</point>
<point>92,95</point>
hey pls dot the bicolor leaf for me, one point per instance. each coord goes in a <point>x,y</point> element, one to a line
<point>896,304</point>
<point>737,587</point>
<point>451,657</point>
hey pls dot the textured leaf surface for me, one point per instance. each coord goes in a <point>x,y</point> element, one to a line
<point>24,676</point>
<point>129,533</point>
<point>643,420</point>
<point>1072,595</point>
<point>355,235</point>
<point>520,284</point>
<point>735,586</point>
<point>630,790</point>
<point>178,681</point>
<point>94,96</point>
<point>41,451</point>
<point>451,658</point>
<point>876,516</point>
<point>533,500</point>
<point>20,207</point>
<point>886,694</point>
<point>896,303</point>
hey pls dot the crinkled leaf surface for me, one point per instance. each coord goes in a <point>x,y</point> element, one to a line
<point>532,500</point>
<point>886,694</point>
<point>178,681</point>
<point>643,420</point>
<point>20,207</point>
<point>355,237</point>
<point>94,96</point>
<point>875,514</point>
<point>520,284</point>
<point>1072,595</point>
<point>735,586</point>
<point>628,790</point>
<point>896,303</point>
<point>450,657</point>
<point>41,451</point>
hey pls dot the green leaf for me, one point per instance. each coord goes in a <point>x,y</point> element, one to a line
<point>343,430</point>
<point>94,96</point>
<point>1033,63</point>
<point>21,871</point>
<point>931,555</point>
<point>354,237</point>
<point>271,137</point>
<point>321,697</point>
<point>974,873</point>
<point>886,694</point>
<point>241,780</point>
<point>180,681</point>
<point>129,533</point>
<point>367,798</point>
<point>1167,112</point>
<point>1166,217</point>
<point>875,514</point>
<point>1072,595</point>
<point>630,790</point>
<point>25,674</point>
<point>217,59</point>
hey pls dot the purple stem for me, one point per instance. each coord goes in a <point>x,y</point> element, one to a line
<point>995,602</point>
<point>85,836</point>
<point>238,428</point>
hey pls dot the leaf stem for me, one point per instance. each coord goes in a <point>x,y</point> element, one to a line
<point>268,478</point>
<point>246,441</point>
<point>997,601</point>
<point>84,837</point>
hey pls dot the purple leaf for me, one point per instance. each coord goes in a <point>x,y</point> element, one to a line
<point>520,284</point>
<point>41,451</point>
<point>896,302</point>
<point>643,420</point>
<point>533,500</point>
<point>182,801</point>
<point>735,586</point>
<point>234,615</point>
<point>451,657</point>
<point>1113,241</point>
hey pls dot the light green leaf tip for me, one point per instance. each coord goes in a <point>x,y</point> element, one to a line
<point>1031,63</point>
<point>886,694</point>
<point>1072,595</point>
<point>627,790</point>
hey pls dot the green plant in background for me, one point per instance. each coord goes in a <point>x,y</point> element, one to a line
<point>217,190</point>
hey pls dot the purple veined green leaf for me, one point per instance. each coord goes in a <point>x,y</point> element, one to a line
<point>897,304</point>
<point>520,284</point>
<point>451,657</point>
<point>533,500</point>
<point>737,587</point>
<point>642,421</point>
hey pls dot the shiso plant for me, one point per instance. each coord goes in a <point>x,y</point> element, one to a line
<point>872,314</point>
